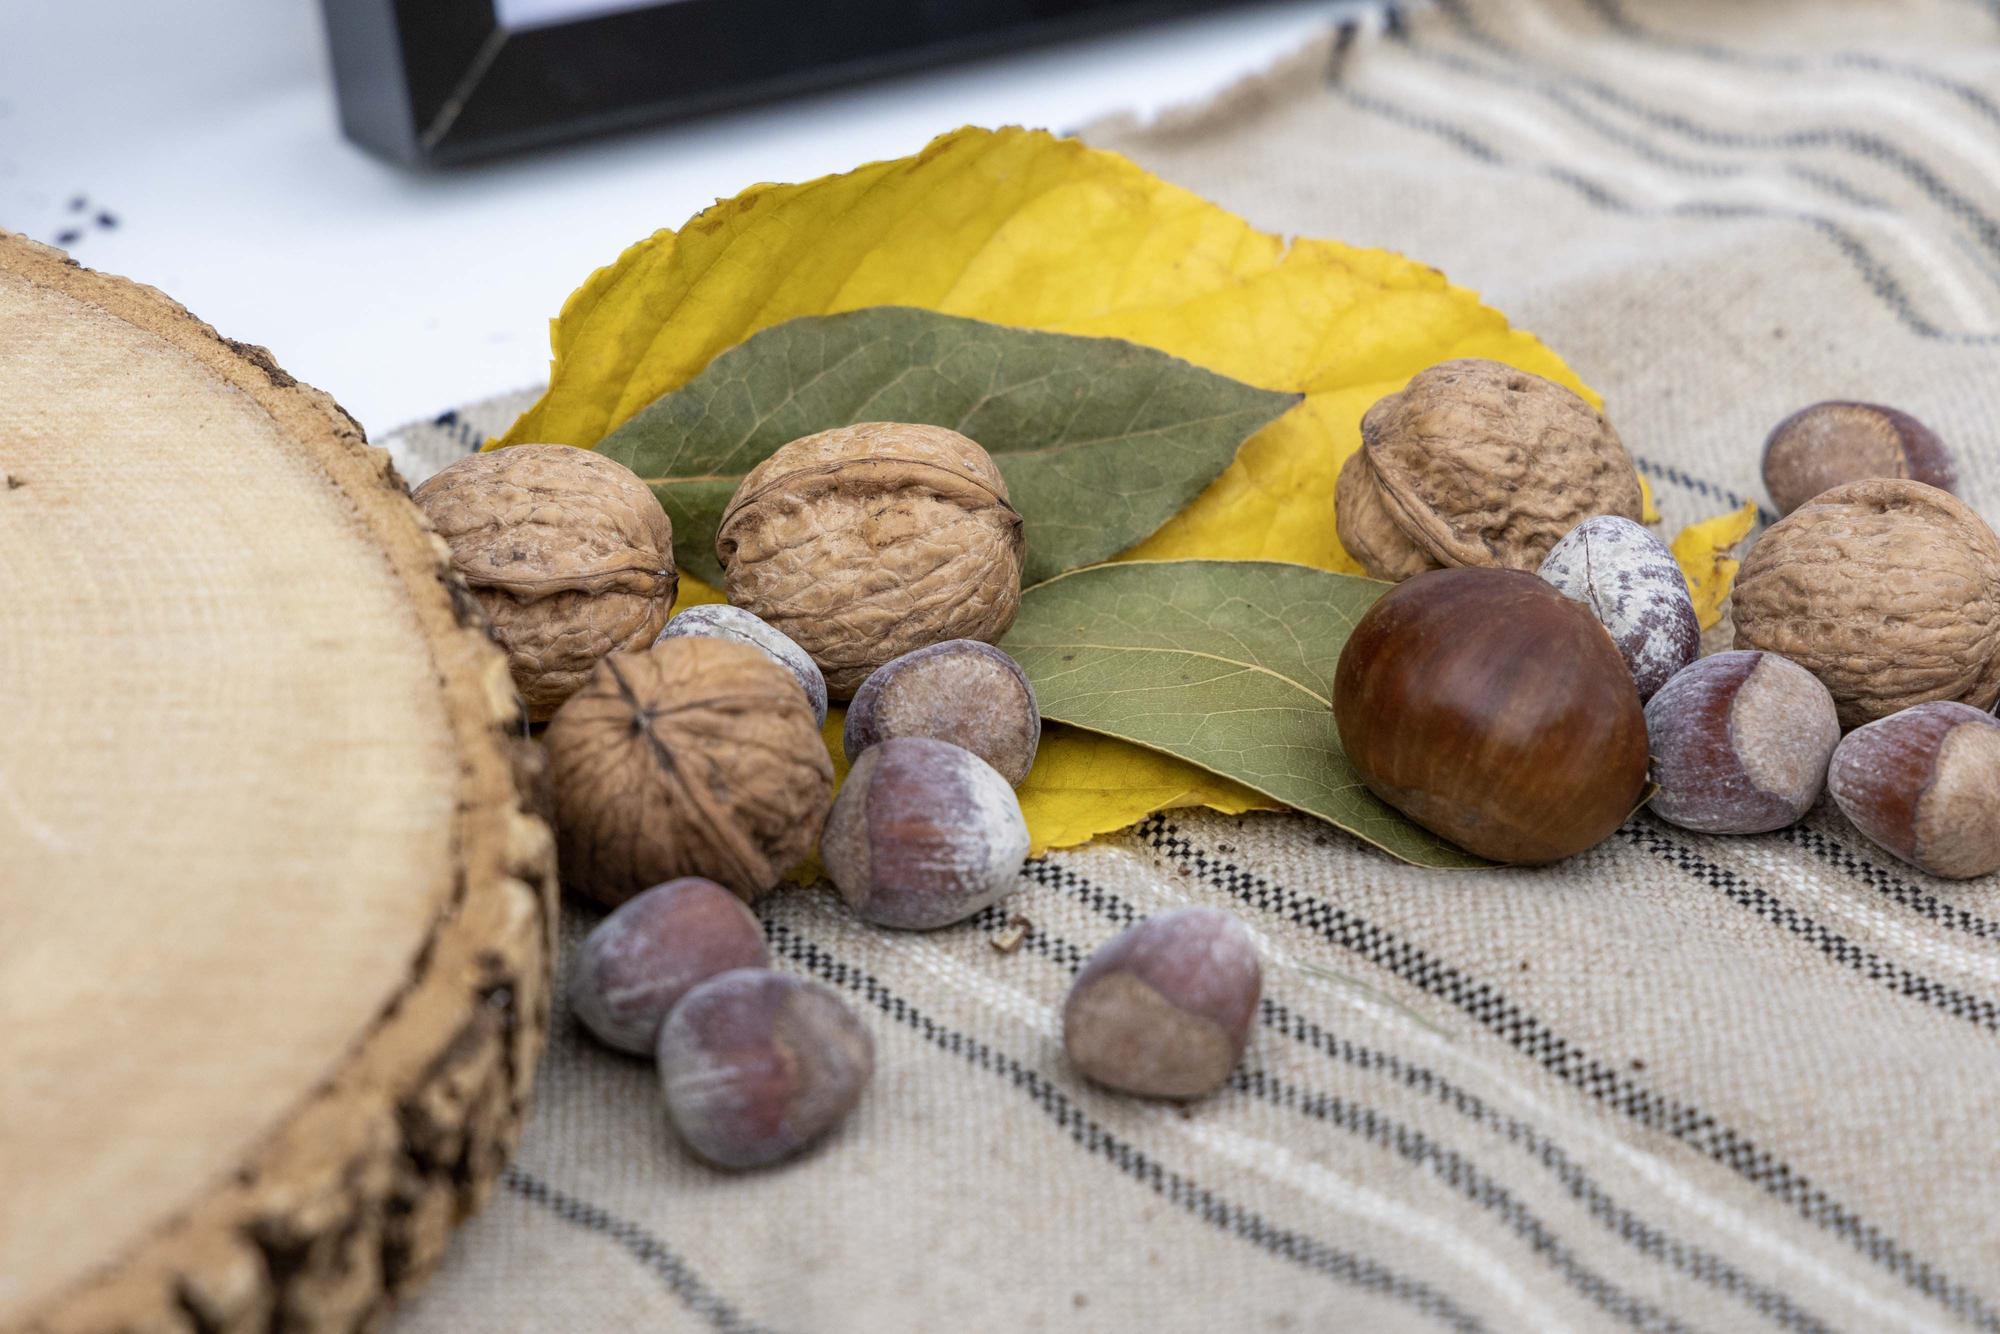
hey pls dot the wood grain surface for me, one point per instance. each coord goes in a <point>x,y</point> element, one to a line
<point>275,914</point>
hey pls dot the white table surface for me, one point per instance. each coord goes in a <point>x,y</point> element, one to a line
<point>192,144</point>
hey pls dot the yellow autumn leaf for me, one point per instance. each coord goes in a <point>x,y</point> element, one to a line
<point>1703,552</point>
<point>1649,513</point>
<point>1019,227</point>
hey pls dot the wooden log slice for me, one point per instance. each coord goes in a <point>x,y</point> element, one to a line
<point>275,922</point>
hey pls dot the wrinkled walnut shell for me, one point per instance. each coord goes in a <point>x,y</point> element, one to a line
<point>1477,463</point>
<point>1887,591</point>
<point>697,757</point>
<point>1367,529</point>
<point>568,552</point>
<point>719,620</point>
<point>867,541</point>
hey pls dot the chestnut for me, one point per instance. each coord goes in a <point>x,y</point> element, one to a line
<point>1925,785</point>
<point>757,1065</point>
<point>1164,1009</point>
<point>1740,743</point>
<point>1493,711</point>
<point>639,961</point>
<point>923,834</point>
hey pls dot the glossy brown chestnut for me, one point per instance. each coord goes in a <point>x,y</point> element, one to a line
<point>1493,711</point>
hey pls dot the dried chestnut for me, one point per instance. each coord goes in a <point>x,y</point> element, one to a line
<point>1925,785</point>
<point>639,961</point>
<point>867,541</point>
<point>1632,584</point>
<point>568,552</point>
<point>1830,444</point>
<point>1477,463</point>
<point>962,691</point>
<point>1887,591</point>
<point>923,834</point>
<point>719,620</point>
<point>1164,1009</point>
<point>757,1065</point>
<point>1494,711</point>
<point>695,757</point>
<point>1740,743</point>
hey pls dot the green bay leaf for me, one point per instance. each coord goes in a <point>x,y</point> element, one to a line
<point>1101,441</point>
<point>1226,664</point>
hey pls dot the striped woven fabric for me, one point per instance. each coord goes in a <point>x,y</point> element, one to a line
<point>1677,1083</point>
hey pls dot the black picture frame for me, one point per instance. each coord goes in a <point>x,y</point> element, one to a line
<point>437,82</point>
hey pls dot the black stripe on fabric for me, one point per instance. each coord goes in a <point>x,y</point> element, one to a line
<point>1824,181</point>
<point>1413,1146</point>
<point>1455,1171</point>
<point>1577,110</point>
<point>1649,1240</point>
<point>1886,286</point>
<point>1872,147</point>
<point>637,1242</point>
<point>1890,885</point>
<point>1176,1188</point>
<point>459,429</point>
<point>1486,1005</point>
<point>1617,18</point>
<point>1891,976</point>
<point>1667,472</point>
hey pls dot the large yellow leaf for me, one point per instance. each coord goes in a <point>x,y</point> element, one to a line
<point>1019,227</point>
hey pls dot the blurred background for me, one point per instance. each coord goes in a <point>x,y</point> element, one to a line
<point>197,146</point>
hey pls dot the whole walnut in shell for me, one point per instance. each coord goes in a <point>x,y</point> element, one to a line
<point>697,757</point>
<point>1888,591</point>
<point>864,542</point>
<point>1477,463</point>
<point>568,552</point>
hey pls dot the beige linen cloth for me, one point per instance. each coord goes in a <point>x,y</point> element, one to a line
<point>1677,1083</point>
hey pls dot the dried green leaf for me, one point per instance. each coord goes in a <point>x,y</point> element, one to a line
<point>1226,664</point>
<point>1101,441</point>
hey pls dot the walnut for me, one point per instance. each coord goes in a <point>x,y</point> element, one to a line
<point>865,542</point>
<point>1367,529</point>
<point>1476,463</point>
<point>1887,590</point>
<point>695,757</point>
<point>569,553</point>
